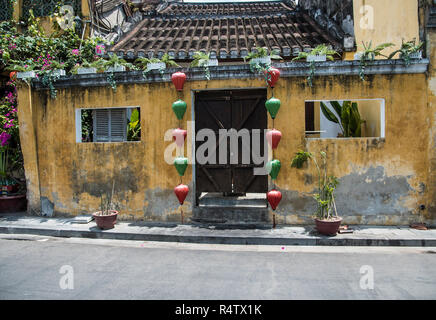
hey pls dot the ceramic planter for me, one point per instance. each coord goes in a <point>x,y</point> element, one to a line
<point>415,55</point>
<point>27,74</point>
<point>212,62</point>
<point>358,56</point>
<point>86,70</point>
<point>263,60</point>
<point>156,66</point>
<point>116,69</point>
<point>58,72</point>
<point>105,221</point>
<point>328,227</point>
<point>316,58</point>
<point>15,203</point>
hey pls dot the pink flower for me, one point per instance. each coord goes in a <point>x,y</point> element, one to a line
<point>75,52</point>
<point>4,138</point>
<point>100,49</point>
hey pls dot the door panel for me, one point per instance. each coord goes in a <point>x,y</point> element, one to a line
<point>227,109</point>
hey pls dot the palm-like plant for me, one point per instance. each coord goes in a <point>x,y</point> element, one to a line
<point>259,67</point>
<point>201,59</point>
<point>320,50</point>
<point>349,120</point>
<point>369,54</point>
<point>326,206</point>
<point>406,50</point>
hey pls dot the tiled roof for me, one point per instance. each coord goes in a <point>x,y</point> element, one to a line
<point>227,30</point>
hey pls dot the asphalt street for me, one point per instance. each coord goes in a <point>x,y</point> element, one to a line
<point>37,267</point>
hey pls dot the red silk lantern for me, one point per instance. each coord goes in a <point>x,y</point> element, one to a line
<point>178,79</point>
<point>13,75</point>
<point>273,136</point>
<point>273,76</point>
<point>181,192</point>
<point>179,135</point>
<point>274,197</point>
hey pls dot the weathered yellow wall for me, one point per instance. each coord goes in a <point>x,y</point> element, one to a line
<point>393,21</point>
<point>431,53</point>
<point>370,112</point>
<point>382,180</point>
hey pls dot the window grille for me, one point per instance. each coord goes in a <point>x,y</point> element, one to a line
<point>6,9</point>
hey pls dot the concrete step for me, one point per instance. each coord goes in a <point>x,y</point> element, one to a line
<point>250,200</point>
<point>230,215</point>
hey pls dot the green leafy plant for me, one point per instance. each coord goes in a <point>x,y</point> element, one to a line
<point>143,62</point>
<point>106,203</point>
<point>407,49</point>
<point>134,126</point>
<point>201,59</point>
<point>349,120</point>
<point>369,54</point>
<point>327,184</point>
<point>259,67</point>
<point>320,50</point>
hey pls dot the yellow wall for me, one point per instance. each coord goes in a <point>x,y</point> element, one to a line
<point>393,21</point>
<point>72,175</point>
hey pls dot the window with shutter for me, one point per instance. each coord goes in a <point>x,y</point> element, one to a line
<point>109,125</point>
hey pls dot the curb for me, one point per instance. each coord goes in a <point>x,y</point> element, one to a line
<point>316,241</point>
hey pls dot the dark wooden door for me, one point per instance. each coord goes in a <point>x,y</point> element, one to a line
<point>230,109</point>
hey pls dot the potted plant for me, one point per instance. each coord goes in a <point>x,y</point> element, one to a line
<point>202,59</point>
<point>319,54</point>
<point>86,67</point>
<point>107,216</point>
<point>369,54</point>
<point>147,64</point>
<point>25,70</point>
<point>259,59</point>
<point>409,50</point>
<point>326,219</point>
<point>349,119</point>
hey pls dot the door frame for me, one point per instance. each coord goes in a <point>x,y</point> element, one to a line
<point>193,130</point>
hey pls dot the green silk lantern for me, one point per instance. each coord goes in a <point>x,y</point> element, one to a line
<point>179,108</point>
<point>273,106</point>
<point>181,164</point>
<point>273,168</point>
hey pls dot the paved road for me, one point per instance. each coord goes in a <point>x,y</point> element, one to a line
<point>113,269</point>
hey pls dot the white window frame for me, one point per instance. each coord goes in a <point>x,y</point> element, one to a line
<point>382,115</point>
<point>78,121</point>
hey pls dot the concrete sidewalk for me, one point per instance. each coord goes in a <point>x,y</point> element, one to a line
<point>191,233</point>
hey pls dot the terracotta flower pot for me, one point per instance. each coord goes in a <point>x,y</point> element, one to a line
<point>328,227</point>
<point>105,221</point>
<point>15,203</point>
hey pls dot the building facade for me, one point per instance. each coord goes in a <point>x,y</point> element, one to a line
<point>387,175</point>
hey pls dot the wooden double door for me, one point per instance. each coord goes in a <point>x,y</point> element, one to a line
<point>224,110</point>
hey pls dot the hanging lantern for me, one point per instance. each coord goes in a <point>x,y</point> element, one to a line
<point>274,197</point>
<point>13,75</point>
<point>273,136</point>
<point>273,106</point>
<point>178,79</point>
<point>179,108</point>
<point>181,192</point>
<point>179,135</point>
<point>273,76</point>
<point>181,164</point>
<point>273,168</point>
